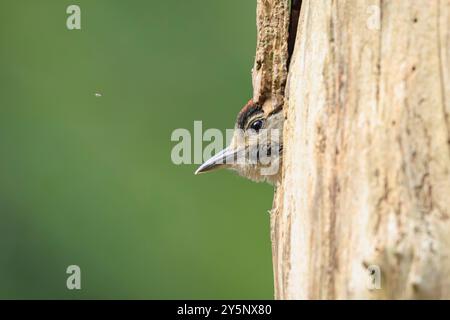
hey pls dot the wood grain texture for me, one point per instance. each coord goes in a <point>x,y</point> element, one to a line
<point>271,61</point>
<point>366,168</point>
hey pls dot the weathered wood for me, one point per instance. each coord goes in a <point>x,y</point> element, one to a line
<point>271,61</point>
<point>367,152</point>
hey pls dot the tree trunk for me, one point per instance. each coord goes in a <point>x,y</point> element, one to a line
<point>363,209</point>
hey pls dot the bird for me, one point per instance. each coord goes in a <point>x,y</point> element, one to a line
<point>256,148</point>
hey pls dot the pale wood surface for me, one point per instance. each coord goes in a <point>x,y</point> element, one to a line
<point>367,152</point>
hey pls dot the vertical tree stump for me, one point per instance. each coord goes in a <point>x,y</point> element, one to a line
<point>366,164</point>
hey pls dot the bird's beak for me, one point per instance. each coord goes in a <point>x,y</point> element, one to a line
<point>224,158</point>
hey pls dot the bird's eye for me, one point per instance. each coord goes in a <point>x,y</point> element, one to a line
<point>256,125</point>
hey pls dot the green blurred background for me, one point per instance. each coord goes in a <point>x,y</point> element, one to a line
<point>89,181</point>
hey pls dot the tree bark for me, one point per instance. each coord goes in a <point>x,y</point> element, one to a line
<point>365,194</point>
<point>271,61</point>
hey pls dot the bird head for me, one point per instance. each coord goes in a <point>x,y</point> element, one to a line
<point>256,147</point>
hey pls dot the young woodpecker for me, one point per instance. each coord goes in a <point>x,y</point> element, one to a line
<point>256,147</point>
